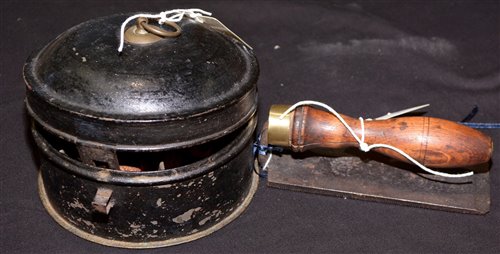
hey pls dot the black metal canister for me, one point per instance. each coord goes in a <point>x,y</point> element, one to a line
<point>151,147</point>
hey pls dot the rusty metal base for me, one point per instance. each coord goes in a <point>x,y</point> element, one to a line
<point>150,244</point>
<point>368,176</point>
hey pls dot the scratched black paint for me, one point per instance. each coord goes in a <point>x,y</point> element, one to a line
<point>183,93</point>
<point>84,88</point>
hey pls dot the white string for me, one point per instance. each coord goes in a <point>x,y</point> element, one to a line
<point>267,161</point>
<point>364,146</point>
<point>175,15</point>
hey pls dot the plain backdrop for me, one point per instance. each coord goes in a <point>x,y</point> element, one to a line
<point>364,58</point>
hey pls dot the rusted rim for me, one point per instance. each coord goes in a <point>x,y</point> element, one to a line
<point>144,245</point>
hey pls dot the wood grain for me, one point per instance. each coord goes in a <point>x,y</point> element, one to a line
<point>431,141</point>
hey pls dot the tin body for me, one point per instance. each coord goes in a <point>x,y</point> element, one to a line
<point>148,148</point>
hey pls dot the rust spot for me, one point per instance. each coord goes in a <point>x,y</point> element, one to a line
<point>130,168</point>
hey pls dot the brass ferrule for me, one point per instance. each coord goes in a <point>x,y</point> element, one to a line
<point>279,130</point>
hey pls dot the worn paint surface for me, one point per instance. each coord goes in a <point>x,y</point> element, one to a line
<point>145,213</point>
<point>183,94</point>
<point>161,98</point>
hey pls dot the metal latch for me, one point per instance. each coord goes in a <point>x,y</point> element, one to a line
<point>102,201</point>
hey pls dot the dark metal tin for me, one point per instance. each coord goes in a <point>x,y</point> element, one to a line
<point>188,102</point>
<point>184,90</point>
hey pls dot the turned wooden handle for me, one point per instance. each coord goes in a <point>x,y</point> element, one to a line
<point>431,141</point>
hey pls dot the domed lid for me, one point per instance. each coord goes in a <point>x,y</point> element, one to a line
<point>199,77</point>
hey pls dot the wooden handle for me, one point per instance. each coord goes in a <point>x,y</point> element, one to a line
<point>431,141</point>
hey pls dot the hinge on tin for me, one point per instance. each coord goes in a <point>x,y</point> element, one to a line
<point>98,157</point>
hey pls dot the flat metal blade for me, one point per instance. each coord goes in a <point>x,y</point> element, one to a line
<point>401,112</point>
<point>369,176</point>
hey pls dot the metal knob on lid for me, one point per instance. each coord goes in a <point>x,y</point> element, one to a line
<point>150,147</point>
<point>144,33</point>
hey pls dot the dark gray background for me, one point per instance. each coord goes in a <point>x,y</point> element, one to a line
<point>364,58</point>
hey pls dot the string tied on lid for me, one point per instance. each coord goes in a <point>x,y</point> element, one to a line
<point>174,15</point>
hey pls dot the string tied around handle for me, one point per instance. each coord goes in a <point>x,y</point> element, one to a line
<point>174,15</point>
<point>363,146</point>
